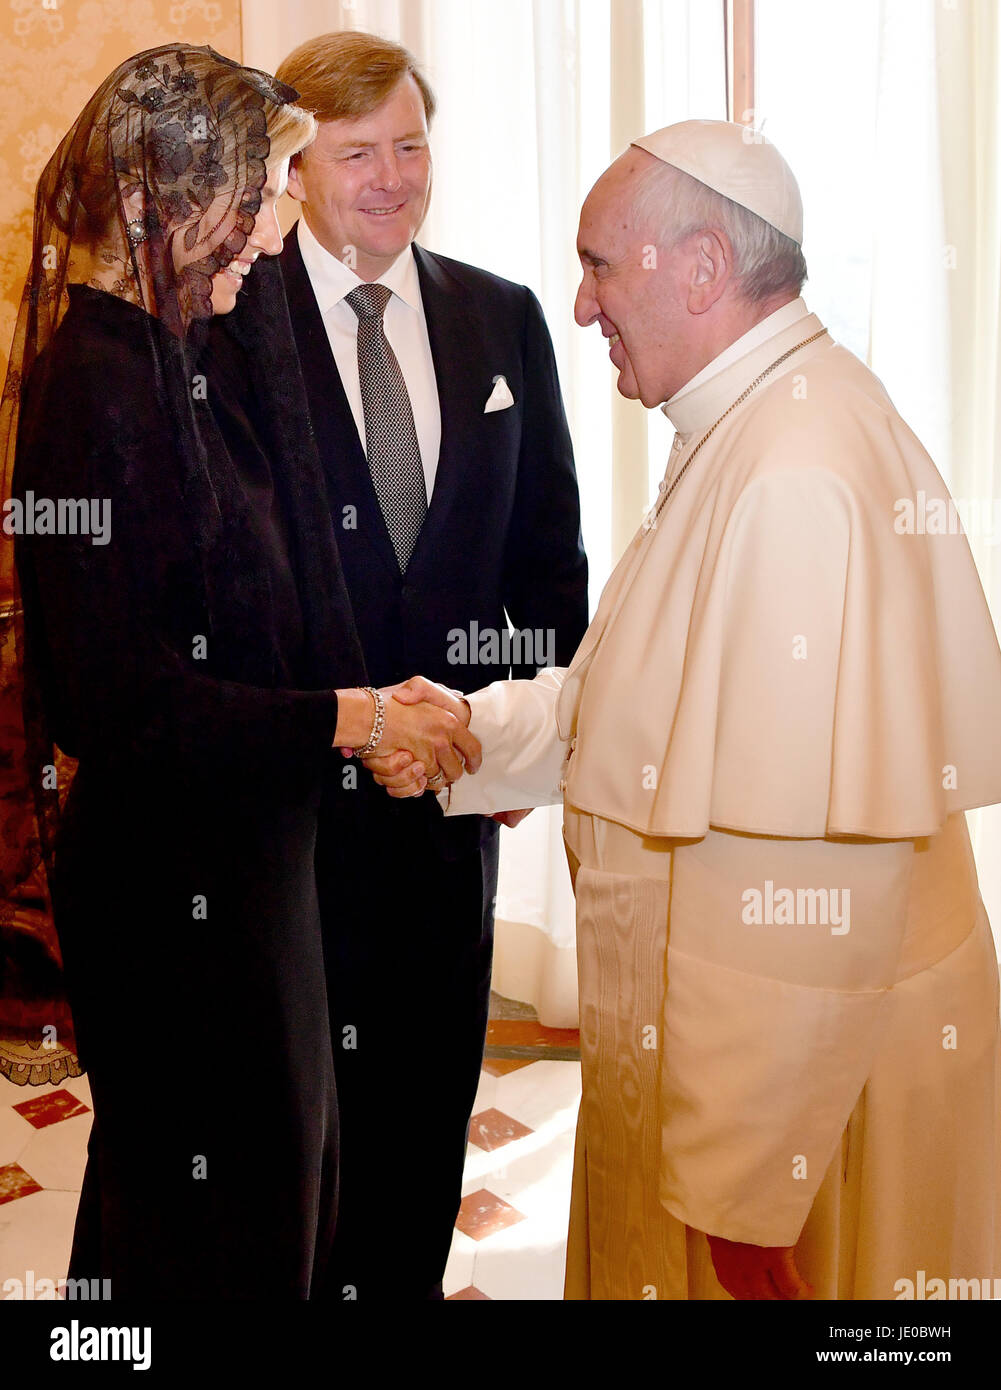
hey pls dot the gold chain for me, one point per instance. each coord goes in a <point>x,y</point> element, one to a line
<point>739,401</point>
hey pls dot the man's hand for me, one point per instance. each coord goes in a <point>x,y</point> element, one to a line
<point>426,742</point>
<point>757,1271</point>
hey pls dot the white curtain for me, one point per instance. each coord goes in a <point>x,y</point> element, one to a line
<point>536,97</point>
<point>968,66</point>
<point>889,111</point>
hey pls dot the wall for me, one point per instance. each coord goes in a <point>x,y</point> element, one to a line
<point>53,56</point>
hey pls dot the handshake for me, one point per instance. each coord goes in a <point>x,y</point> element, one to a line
<point>426,743</point>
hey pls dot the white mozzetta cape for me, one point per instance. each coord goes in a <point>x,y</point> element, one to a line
<point>783,659</point>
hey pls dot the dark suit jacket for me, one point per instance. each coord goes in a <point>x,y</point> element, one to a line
<point>502,530</point>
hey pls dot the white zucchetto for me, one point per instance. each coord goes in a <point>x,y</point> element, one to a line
<point>737,162</point>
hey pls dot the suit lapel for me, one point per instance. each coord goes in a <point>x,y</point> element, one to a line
<point>341,453</point>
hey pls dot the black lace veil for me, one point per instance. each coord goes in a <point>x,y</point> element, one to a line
<point>152,191</point>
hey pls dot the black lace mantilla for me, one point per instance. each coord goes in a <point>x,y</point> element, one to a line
<point>176,138</point>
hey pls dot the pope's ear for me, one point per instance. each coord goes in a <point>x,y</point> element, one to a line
<point>296,188</point>
<point>711,270</point>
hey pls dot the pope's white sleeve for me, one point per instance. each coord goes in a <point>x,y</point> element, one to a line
<point>771,1025</point>
<point>524,757</point>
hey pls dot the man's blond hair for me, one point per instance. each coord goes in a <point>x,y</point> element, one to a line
<point>346,75</point>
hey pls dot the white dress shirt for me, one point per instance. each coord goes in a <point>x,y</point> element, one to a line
<point>406,329</point>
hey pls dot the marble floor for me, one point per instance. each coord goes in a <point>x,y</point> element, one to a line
<point>510,1236</point>
<point>43,1151</point>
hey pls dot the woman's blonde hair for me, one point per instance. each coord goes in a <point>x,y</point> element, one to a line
<point>290,130</point>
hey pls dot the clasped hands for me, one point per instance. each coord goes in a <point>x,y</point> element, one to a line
<point>426,741</point>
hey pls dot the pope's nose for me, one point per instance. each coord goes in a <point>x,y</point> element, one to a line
<point>585,309</point>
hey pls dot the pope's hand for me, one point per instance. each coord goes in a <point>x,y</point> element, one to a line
<point>757,1271</point>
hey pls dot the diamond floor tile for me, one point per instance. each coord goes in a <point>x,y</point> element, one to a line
<point>15,1182</point>
<point>482,1214</point>
<point>49,1110</point>
<point>492,1129</point>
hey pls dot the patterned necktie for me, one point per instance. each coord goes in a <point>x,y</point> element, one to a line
<point>394,456</point>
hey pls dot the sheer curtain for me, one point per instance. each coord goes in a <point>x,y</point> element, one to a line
<point>889,111</point>
<point>536,97</point>
<point>968,95</point>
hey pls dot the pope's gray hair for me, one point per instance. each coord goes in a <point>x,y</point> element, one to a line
<point>673,205</point>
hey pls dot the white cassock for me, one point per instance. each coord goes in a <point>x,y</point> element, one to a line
<point>765,745</point>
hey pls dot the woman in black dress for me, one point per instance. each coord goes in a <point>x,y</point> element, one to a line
<point>185,632</point>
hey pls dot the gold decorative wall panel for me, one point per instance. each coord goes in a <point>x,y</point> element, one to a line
<point>53,56</point>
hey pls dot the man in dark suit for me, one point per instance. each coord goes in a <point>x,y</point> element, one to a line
<point>434,397</point>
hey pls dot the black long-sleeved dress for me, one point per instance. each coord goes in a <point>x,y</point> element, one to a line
<point>183,885</point>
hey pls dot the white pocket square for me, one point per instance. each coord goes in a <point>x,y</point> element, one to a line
<point>500,396</point>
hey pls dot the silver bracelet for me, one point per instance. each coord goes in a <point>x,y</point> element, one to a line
<point>375,738</point>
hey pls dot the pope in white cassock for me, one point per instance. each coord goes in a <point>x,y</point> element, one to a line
<point>765,746</point>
